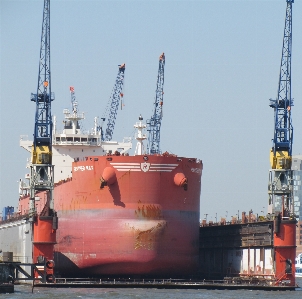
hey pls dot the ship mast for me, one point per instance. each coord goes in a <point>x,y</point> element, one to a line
<point>72,118</point>
<point>140,137</point>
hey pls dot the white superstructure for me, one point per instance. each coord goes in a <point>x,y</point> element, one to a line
<point>72,144</point>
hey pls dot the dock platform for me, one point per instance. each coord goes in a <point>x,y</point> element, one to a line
<point>162,284</point>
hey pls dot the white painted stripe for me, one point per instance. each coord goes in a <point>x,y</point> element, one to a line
<point>164,165</point>
<point>125,169</point>
<point>125,163</point>
<point>126,166</point>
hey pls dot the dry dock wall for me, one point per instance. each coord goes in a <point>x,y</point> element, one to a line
<point>236,250</point>
<point>16,238</point>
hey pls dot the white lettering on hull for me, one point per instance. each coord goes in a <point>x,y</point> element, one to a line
<point>83,168</point>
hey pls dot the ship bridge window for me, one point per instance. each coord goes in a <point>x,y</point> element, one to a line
<point>57,138</point>
<point>84,139</point>
<point>68,124</point>
<point>76,139</point>
<point>94,139</point>
<point>69,139</point>
<point>63,139</point>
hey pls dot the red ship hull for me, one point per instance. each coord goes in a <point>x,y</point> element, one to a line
<point>129,215</point>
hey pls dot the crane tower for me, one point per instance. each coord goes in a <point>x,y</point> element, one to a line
<point>153,124</point>
<point>42,168</point>
<point>44,223</point>
<point>280,188</point>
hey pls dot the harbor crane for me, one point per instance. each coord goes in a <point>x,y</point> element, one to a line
<point>280,188</point>
<point>153,124</point>
<point>115,98</point>
<point>45,224</point>
<point>42,168</point>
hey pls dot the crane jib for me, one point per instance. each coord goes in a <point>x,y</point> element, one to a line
<point>154,124</point>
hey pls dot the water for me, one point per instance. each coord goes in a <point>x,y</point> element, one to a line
<point>24,292</point>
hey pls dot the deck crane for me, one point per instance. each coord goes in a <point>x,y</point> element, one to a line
<point>280,176</point>
<point>44,225</point>
<point>114,101</point>
<point>153,124</point>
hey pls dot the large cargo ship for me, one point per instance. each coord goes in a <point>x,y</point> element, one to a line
<point>119,214</point>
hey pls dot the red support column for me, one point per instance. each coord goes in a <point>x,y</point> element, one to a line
<point>285,250</point>
<point>43,245</point>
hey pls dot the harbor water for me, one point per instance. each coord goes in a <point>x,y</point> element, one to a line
<point>24,292</point>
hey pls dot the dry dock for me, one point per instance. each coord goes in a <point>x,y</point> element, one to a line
<point>249,252</point>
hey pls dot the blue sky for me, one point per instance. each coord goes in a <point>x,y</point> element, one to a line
<point>222,66</point>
